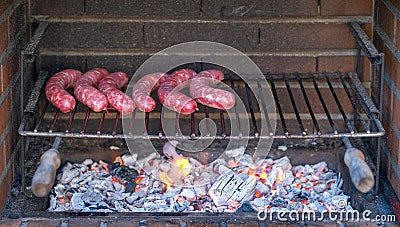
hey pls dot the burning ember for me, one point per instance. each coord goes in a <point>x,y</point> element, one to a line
<point>149,185</point>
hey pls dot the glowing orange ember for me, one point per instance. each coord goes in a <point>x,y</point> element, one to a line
<point>263,175</point>
<point>258,195</point>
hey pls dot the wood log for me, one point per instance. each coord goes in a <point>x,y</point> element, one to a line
<point>44,177</point>
<point>360,173</point>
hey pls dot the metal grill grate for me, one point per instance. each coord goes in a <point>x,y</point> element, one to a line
<point>307,106</point>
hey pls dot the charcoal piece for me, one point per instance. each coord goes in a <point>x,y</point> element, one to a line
<point>123,172</point>
<point>302,195</point>
<point>90,198</point>
<point>130,186</point>
<point>278,202</point>
<point>246,207</point>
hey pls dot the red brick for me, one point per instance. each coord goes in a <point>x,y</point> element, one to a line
<point>306,36</point>
<point>346,8</point>
<point>396,111</point>
<point>78,222</point>
<point>366,70</point>
<point>5,114</point>
<point>385,164</point>
<point>397,41</point>
<point>11,223</point>
<point>392,67</point>
<point>260,8</point>
<point>282,64</point>
<point>5,186</point>
<point>122,224</point>
<point>9,69</point>
<point>16,21</point>
<point>393,144</point>
<point>47,223</point>
<point>396,3</point>
<point>337,64</point>
<point>3,5</point>
<point>387,102</point>
<point>3,37</point>
<point>166,223</point>
<point>395,182</point>
<point>386,19</point>
<point>9,144</point>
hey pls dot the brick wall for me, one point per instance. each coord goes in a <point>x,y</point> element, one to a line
<point>387,31</point>
<point>281,36</point>
<point>13,32</point>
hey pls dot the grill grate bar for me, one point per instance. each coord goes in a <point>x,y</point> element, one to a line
<point>321,99</point>
<point>117,117</point>
<point>55,118</point>
<point>314,120</point>
<point>264,109</point>
<point>71,119</point>
<point>103,115</point>
<point>346,120</point>
<point>279,107</point>
<point>51,121</point>
<point>296,110</point>
<point>44,110</point>
<point>250,102</point>
<point>353,103</point>
<point>85,121</point>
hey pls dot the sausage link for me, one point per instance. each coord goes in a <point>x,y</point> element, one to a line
<point>142,89</point>
<point>169,94</point>
<point>55,89</point>
<point>86,92</point>
<point>110,86</point>
<point>201,90</point>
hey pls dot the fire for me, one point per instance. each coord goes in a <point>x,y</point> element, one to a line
<point>263,175</point>
<point>183,164</point>
<point>258,194</point>
<point>165,179</point>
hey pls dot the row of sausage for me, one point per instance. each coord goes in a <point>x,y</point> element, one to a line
<point>98,89</point>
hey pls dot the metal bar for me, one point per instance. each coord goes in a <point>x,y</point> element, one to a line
<point>296,111</point>
<point>359,88</point>
<point>53,123</point>
<point>146,121</point>
<point>192,125</point>
<point>207,122</point>
<point>366,44</point>
<point>321,99</point>
<point>160,128</point>
<point>349,126</point>
<point>250,102</point>
<point>86,120</point>
<point>71,119</point>
<point>278,106</point>
<point>36,38</point>
<point>353,103</point>
<point>117,117</point>
<point>221,114</point>
<point>177,127</point>
<point>35,94</point>
<point>101,122</point>
<point>239,127</point>
<point>132,122</point>
<point>181,137</point>
<point>315,122</point>
<point>44,110</point>
<point>264,109</point>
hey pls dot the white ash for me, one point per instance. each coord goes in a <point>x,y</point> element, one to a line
<point>265,183</point>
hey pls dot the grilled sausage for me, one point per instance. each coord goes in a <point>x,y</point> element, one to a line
<point>142,89</point>
<point>55,89</point>
<point>171,97</point>
<point>109,86</point>
<point>86,92</point>
<point>201,90</point>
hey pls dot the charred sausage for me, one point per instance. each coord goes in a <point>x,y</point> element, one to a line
<point>110,86</point>
<point>170,96</point>
<point>201,90</point>
<point>86,92</point>
<point>55,89</point>
<point>142,89</point>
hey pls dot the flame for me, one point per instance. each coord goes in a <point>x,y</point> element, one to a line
<point>183,164</point>
<point>258,194</point>
<point>165,179</point>
<point>263,175</point>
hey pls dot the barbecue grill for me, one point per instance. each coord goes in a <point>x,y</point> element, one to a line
<point>310,115</point>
